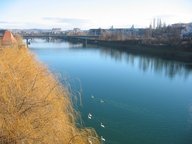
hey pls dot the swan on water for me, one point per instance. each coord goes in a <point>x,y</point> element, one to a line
<point>90,116</point>
<point>101,101</point>
<point>102,138</point>
<point>92,97</point>
<point>102,125</point>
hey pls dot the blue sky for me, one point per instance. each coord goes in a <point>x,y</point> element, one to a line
<point>86,14</point>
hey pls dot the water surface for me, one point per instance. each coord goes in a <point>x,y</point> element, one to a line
<point>139,99</point>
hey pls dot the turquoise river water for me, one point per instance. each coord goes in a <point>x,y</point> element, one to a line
<point>133,99</point>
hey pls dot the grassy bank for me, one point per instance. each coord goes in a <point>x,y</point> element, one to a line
<point>34,107</point>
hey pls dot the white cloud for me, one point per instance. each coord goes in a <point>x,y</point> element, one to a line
<point>94,13</point>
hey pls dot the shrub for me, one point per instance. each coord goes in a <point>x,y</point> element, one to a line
<point>34,107</point>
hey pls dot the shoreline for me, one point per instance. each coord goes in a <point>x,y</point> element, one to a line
<point>180,52</point>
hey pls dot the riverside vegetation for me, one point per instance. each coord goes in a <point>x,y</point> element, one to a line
<point>34,107</point>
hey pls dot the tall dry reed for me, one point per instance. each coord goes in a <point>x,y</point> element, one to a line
<point>34,107</point>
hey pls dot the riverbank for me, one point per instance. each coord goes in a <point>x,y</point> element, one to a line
<point>180,51</point>
<point>34,107</point>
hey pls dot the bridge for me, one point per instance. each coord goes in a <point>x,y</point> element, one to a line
<point>63,36</point>
<point>71,38</point>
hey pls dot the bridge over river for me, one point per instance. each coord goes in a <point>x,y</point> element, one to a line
<point>71,38</point>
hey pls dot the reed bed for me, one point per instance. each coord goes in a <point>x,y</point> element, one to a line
<point>34,106</point>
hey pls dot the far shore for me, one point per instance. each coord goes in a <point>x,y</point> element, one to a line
<point>179,50</point>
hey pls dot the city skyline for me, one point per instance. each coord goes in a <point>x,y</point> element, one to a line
<point>86,14</point>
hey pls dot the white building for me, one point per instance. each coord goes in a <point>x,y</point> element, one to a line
<point>56,30</point>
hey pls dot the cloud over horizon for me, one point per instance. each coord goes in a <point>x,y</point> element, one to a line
<point>66,20</point>
<point>86,14</point>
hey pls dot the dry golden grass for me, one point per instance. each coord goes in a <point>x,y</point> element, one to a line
<point>0,41</point>
<point>34,107</point>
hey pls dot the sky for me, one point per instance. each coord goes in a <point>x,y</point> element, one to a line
<point>86,14</point>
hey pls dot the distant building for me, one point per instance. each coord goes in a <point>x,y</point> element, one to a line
<point>8,39</point>
<point>56,30</point>
<point>118,33</point>
<point>97,32</point>
<point>76,31</point>
<point>187,31</point>
<point>128,31</point>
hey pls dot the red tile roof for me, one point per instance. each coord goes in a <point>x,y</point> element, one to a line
<point>8,38</point>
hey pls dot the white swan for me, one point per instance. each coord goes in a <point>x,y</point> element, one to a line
<point>92,97</point>
<point>102,125</point>
<point>102,138</point>
<point>90,116</point>
<point>101,101</point>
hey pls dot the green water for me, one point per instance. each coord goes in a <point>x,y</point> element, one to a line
<point>139,99</point>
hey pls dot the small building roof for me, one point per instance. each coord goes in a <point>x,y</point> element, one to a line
<point>8,38</point>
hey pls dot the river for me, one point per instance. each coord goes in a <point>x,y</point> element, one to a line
<point>133,99</point>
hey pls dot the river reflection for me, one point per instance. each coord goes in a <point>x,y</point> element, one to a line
<point>147,63</point>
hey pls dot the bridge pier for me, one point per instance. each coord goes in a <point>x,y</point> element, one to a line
<point>27,42</point>
<point>85,42</point>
